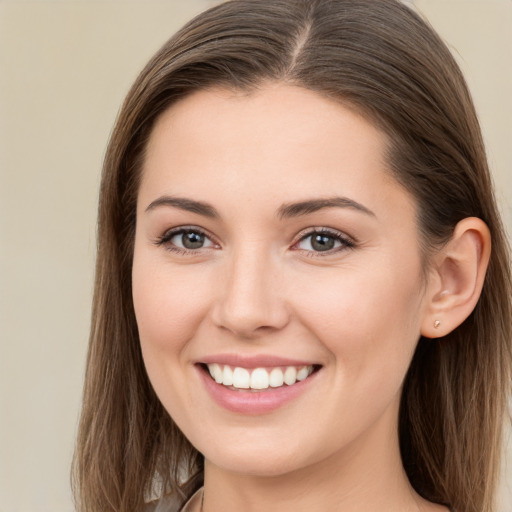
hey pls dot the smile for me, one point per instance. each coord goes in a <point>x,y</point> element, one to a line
<point>253,385</point>
<point>258,378</point>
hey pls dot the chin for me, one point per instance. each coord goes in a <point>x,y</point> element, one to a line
<point>255,459</point>
<point>257,465</point>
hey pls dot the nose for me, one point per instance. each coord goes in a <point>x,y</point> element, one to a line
<point>251,302</point>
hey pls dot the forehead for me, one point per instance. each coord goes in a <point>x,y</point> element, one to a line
<point>276,142</point>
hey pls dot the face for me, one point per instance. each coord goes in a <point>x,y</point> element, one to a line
<point>277,278</point>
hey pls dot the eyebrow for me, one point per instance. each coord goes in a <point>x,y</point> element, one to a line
<point>287,210</point>
<point>189,205</point>
<point>314,205</point>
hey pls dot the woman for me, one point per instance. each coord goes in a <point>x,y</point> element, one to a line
<point>297,306</point>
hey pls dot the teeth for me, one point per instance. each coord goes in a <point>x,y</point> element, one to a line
<point>227,376</point>
<point>216,372</point>
<point>290,375</point>
<point>259,378</point>
<point>302,374</point>
<point>241,378</point>
<point>276,379</point>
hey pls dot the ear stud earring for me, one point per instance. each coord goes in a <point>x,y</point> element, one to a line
<point>437,323</point>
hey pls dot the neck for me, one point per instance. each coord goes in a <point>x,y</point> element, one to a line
<point>367,475</point>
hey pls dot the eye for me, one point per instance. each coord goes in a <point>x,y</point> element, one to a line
<point>185,240</point>
<point>324,240</point>
<point>190,240</point>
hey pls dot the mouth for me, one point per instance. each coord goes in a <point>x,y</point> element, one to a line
<point>257,384</point>
<point>258,379</point>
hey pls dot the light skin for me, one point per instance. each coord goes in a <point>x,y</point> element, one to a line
<point>238,168</point>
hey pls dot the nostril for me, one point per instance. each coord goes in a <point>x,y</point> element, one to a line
<point>249,304</point>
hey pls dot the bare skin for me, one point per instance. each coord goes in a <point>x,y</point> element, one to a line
<point>257,282</point>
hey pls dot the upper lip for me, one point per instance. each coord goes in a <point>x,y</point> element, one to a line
<point>256,361</point>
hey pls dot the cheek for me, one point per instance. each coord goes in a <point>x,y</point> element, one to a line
<point>369,323</point>
<point>169,308</point>
<point>168,305</point>
<point>369,320</point>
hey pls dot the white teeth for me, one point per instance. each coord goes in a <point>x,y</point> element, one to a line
<point>276,378</point>
<point>259,378</point>
<point>290,375</point>
<point>227,376</point>
<point>241,378</point>
<point>216,372</point>
<point>303,373</point>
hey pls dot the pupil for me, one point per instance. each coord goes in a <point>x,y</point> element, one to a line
<point>322,242</point>
<point>193,240</point>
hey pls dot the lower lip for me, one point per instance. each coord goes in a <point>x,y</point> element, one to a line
<point>254,402</point>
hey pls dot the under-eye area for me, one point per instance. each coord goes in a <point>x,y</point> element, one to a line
<point>258,379</point>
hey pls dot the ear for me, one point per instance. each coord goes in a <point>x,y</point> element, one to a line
<point>457,277</point>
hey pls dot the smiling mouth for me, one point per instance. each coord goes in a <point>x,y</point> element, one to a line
<point>258,379</point>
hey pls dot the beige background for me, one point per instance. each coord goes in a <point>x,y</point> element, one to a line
<point>64,69</point>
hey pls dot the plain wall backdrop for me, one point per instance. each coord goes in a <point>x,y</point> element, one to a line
<point>65,67</point>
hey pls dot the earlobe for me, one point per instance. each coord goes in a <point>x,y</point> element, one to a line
<point>457,278</point>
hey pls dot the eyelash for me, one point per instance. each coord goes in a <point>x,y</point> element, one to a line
<point>345,242</point>
<point>166,238</point>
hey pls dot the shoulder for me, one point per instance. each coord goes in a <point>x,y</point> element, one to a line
<point>172,504</point>
<point>165,504</point>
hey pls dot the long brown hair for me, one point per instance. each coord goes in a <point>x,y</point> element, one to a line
<point>382,59</point>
